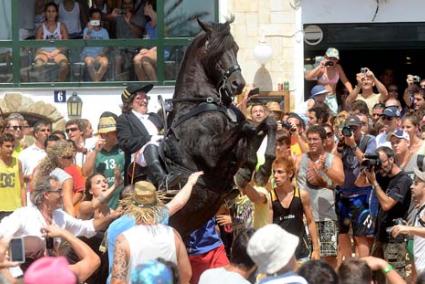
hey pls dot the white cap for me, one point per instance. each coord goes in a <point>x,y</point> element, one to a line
<point>271,248</point>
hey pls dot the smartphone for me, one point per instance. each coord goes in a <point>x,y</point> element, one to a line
<point>255,91</point>
<point>95,23</point>
<point>17,250</point>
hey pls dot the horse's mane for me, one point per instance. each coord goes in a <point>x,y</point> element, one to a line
<point>208,47</point>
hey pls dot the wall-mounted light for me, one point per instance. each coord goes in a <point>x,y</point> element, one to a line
<point>75,106</point>
<point>262,51</point>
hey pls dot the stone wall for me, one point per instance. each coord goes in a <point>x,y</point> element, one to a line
<point>16,102</point>
<point>269,17</point>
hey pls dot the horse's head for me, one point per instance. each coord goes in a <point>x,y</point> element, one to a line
<point>220,60</point>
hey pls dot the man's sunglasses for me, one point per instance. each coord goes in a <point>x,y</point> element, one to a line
<point>15,127</point>
<point>71,129</point>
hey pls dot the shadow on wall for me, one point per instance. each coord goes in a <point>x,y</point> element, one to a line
<point>263,80</point>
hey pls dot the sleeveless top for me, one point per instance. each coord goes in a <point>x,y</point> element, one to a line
<point>322,199</point>
<point>56,34</point>
<point>10,186</point>
<point>147,242</point>
<point>70,18</point>
<point>291,219</point>
<point>325,80</point>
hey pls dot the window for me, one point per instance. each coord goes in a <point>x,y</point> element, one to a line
<point>32,54</point>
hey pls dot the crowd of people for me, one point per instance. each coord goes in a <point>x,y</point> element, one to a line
<point>70,19</point>
<point>344,203</point>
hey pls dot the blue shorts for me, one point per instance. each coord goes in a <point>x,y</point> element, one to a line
<point>355,211</point>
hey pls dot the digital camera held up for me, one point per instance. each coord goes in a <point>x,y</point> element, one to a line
<point>346,131</point>
<point>370,161</point>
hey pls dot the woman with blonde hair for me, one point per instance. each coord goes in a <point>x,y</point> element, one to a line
<point>60,155</point>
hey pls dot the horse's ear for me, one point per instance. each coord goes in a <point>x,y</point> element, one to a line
<point>206,27</point>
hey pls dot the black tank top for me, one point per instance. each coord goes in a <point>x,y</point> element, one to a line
<point>291,219</point>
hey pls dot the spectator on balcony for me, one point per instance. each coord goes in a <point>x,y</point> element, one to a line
<point>72,15</point>
<point>363,91</point>
<point>125,27</point>
<point>52,29</point>
<point>145,60</point>
<point>328,73</point>
<point>95,57</point>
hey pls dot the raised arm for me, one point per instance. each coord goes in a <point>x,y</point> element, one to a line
<point>89,261</point>
<point>183,195</point>
<point>344,78</point>
<point>315,72</point>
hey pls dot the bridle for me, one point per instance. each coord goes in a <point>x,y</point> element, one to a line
<point>222,89</point>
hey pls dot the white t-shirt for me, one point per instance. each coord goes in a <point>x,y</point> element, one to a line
<point>222,276</point>
<point>419,247</point>
<point>30,158</point>
<point>28,221</point>
<point>382,140</point>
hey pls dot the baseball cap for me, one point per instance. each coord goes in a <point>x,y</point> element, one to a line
<point>391,112</point>
<point>400,133</point>
<point>107,124</point>
<point>318,90</point>
<point>271,248</point>
<point>47,270</point>
<point>133,89</point>
<point>419,174</point>
<point>332,52</point>
<point>353,120</point>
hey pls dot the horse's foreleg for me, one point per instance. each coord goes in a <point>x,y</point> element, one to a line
<point>262,175</point>
<point>248,153</point>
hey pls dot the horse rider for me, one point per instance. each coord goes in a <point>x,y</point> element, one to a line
<point>139,135</point>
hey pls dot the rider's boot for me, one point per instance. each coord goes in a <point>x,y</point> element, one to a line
<point>156,172</point>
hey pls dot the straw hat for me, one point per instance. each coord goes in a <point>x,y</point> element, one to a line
<point>144,204</point>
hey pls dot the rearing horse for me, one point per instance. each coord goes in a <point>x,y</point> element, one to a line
<point>207,132</point>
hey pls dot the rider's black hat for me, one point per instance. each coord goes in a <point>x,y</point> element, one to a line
<point>131,90</point>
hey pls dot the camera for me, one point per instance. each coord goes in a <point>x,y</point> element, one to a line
<point>370,161</point>
<point>416,79</point>
<point>329,63</point>
<point>363,70</point>
<point>287,125</point>
<point>346,131</point>
<point>253,92</point>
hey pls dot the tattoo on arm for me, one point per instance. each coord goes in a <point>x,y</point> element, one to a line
<point>121,261</point>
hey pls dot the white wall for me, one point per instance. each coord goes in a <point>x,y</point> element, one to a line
<point>362,11</point>
<point>95,100</point>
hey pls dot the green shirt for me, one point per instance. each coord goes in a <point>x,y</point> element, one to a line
<point>105,163</point>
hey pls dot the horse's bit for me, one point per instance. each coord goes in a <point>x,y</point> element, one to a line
<point>224,78</point>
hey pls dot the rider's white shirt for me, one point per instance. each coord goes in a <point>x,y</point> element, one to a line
<point>152,130</point>
<point>144,119</point>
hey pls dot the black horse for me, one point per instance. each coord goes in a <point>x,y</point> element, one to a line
<point>207,132</point>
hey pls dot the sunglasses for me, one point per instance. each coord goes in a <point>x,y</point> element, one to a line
<point>387,118</point>
<point>329,134</point>
<point>15,127</point>
<point>71,129</point>
<point>67,157</point>
<point>59,190</point>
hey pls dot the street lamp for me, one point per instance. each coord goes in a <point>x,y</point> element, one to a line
<point>262,51</point>
<point>75,106</point>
